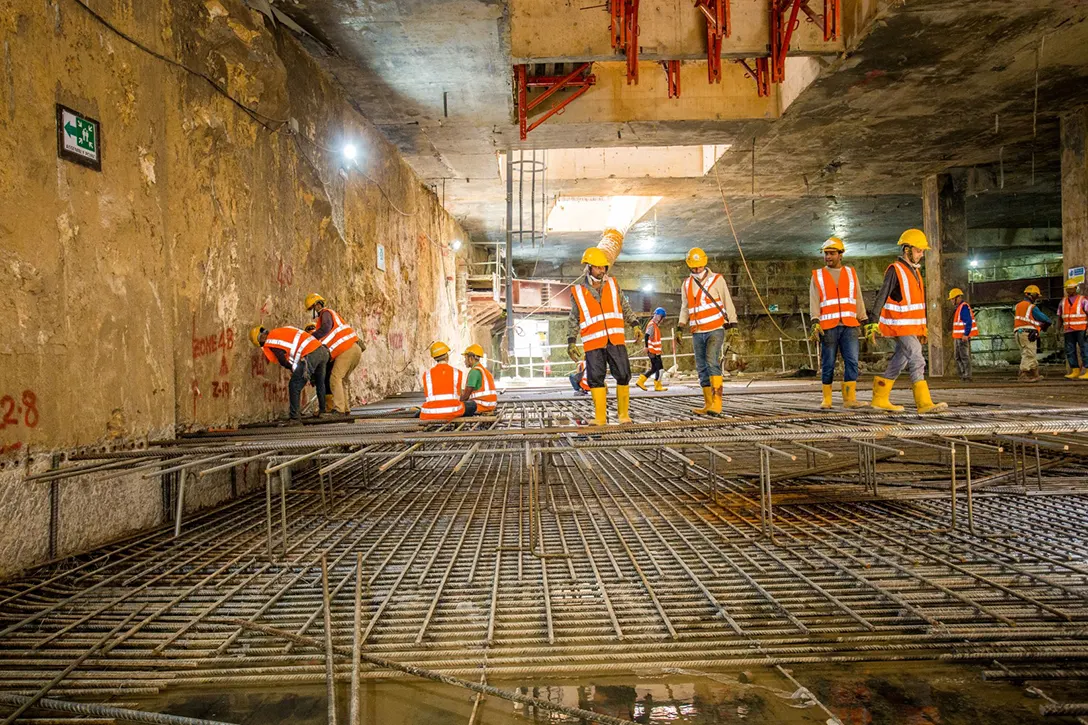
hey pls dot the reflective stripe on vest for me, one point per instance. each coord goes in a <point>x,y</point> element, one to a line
<point>601,322</point>
<point>293,341</point>
<point>1074,316</point>
<point>838,300</point>
<point>1024,319</point>
<point>908,316</point>
<point>653,338</point>
<point>958,328</point>
<point>340,338</point>
<point>487,397</point>
<point>703,312</point>
<point>442,387</point>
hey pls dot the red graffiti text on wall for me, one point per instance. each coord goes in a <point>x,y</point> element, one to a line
<point>208,344</point>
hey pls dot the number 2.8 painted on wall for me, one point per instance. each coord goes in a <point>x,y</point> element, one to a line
<point>10,410</point>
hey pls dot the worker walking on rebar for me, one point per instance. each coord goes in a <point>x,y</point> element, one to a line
<point>901,311</point>
<point>480,385</point>
<point>599,311</point>
<point>653,352</point>
<point>1073,316</point>
<point>301,353</point>
<point>964,327</point>
<point>707,308</point>
<point>442,386</point>
<point>1028,322</point>
<point>345,350</point>
<point>838,311</point>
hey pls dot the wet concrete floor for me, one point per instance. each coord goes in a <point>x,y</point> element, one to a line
<point>864,694</point>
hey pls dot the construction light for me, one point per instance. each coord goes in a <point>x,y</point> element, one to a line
<point>647,288</point>
<point>350,151</point>
<point>456,245</point>
<point>973,263</point>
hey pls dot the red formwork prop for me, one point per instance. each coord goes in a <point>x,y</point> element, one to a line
<point>580,80</point>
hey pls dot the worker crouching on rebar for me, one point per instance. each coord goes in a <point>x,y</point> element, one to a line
<point>1029,321</point>
<point>901,309</point>
<point>838,311</point>
<point>301,353</point>
<point>653,352</point>
<point>442,386</point>
<point>707,308</point>
<point>599,311</point>
<point>480,385</point>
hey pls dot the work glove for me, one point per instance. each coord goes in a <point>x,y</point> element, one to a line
<point>678,335</point>
<point>732,333</point>
<point>638,335</point>
<point>572,351</point>
<point>871,331</point>
<point>816,332</point>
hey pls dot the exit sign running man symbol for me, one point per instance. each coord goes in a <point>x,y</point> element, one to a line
<point>78,138</point>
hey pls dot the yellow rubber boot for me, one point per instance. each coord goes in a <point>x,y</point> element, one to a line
<point>826,403</point>
<point>600,405</point>
<point>1076,373</point>
<point>623,404</point>
<point>641,382</point>
<point>882,389</point>
<point>715,407</point>
<point>850,395</point>
<point>923,401</point>
<point>658,386</point>
<point>708,396</point>
<point>1084,376</point>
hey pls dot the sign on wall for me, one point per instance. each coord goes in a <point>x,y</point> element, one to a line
<point>1075,274</point>
<point>381,257</point>
<point>79,138</point>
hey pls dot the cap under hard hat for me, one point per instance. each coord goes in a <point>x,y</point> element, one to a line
<point>439,348</point>
<point>954,293</point>
<point>833,243</point>
<point>474,350</point>
<point>312,299</point>
<point>696,257</point>
<point>255,335</point>
<point>595,257</point>
<point>660,311</point>
<point>1032,289</point>
<point>915,238</point>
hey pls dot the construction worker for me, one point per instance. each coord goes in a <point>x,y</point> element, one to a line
<point>598,312</point>
<point>301,353</point>
<point>578,379</point>
<point>1073,315</point>
<point>707,308</point>
<point>838,311</point>
<point>901,311</point>
<point>1028,322</point>
<point>964,327</point>
<point>345,350</point>
<point>442,388</point>
<point>653,351</point>
<point>480,385</point>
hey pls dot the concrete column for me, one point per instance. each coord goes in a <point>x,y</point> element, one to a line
<point>1075,188</point>
<point>944,215</point>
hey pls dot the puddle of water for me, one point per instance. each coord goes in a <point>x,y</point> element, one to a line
<point>865,694</point>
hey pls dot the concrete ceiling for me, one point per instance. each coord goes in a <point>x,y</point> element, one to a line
<point>925,85</point>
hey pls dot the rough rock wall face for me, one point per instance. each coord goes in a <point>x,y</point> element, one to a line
<point>129,293</point>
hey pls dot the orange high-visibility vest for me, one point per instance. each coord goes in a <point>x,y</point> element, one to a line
<point>600,322</point>
<point>1024,319</point>
<point>704,314</point>
<point>442,388</point>
<point>653,338</point>
<point>959,330</point>
<point>1074,316</point>
<point>838,301</point>
<point>908,316</point>
<point>583,382</point>
<point>487,397</point>
<point>295,342</point>
<point>340,338</point>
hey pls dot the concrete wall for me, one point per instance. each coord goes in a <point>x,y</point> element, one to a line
<point>128,293</point>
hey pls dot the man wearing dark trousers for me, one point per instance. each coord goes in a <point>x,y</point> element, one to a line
<point>300,352</point>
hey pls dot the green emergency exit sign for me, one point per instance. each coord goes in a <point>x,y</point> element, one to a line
<point>79,138</point>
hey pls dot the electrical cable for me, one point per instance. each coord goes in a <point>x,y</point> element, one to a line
<point>729,218</point>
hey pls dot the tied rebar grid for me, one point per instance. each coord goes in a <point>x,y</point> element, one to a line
<point>546,552</point>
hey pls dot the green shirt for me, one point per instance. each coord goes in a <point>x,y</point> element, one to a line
<point>475,379</point>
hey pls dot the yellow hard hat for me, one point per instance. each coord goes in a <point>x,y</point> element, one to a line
<point>1032,290</point>
<point>696,258</point>
<point>312,299</point>
<point>954,293</point>
<point>833,243</point>
<point>915,238</point>
<point>255,335</point>
<point>1071,283</point>
<point>474,350</point>
<point>595,257</point>
<point>439,348</point>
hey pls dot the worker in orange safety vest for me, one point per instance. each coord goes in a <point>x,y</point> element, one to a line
<point>298,351</point>
<point>345,350</point>
<point>442,386</point>
<point>1073,314</point>
<point>653,352</point>
<point>480,385</point>
<point>706,307</point>
<point>964,327</point>
<point>1028,323</point>
<point>838,311</point>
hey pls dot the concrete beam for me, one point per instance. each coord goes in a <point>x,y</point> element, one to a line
<point>1075,188</point>
<point>944,214</point>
